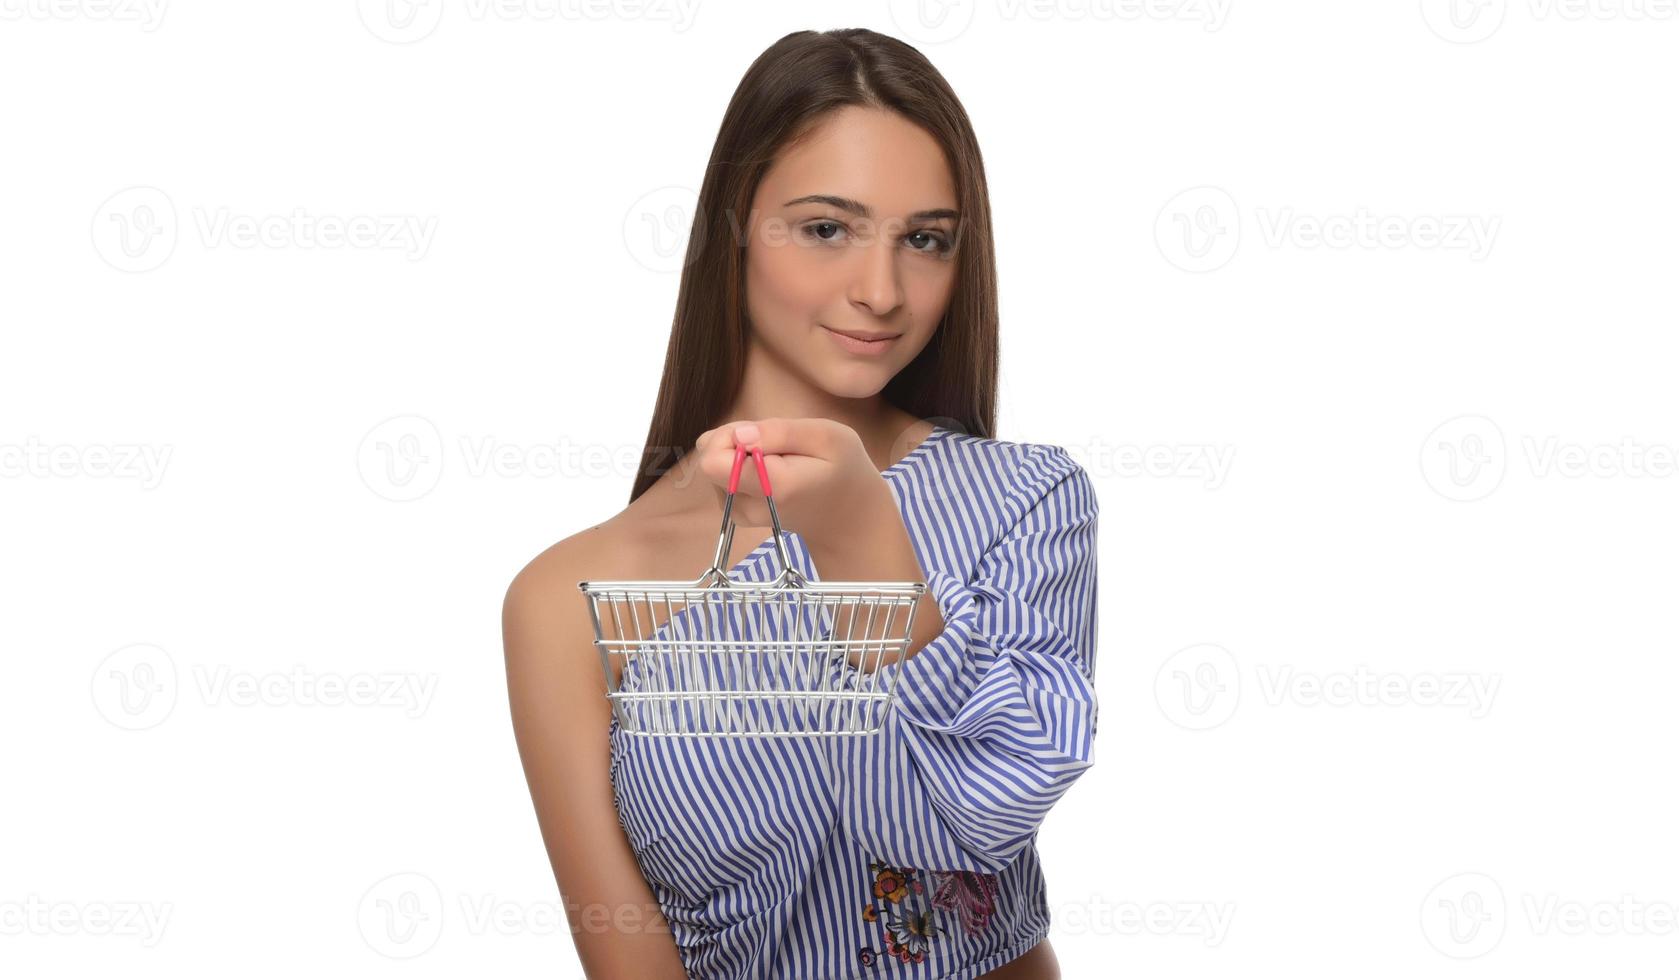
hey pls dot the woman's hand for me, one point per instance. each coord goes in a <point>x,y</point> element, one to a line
<point>821,477</point>
<point>827,489</point>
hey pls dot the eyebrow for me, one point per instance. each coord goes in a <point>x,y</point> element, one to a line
<point>862,210</point>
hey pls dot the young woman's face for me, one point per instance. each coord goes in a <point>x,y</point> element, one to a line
<point>852,233</point>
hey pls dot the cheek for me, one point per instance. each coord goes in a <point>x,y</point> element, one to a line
<point>928,294</point>
<point>786,282</point>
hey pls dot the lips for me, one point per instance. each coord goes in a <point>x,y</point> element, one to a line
<point>865,344</point>
<point>855,335</point>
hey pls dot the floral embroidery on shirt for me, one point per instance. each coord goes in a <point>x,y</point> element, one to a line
<point>971,895</point>
<point>913,909</point>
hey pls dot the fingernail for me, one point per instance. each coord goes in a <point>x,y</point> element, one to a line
<point>746,434</point>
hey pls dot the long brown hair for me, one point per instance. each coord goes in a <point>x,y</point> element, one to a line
<point>781,98</point>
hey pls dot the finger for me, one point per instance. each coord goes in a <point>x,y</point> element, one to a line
<point>746,434</point>
<point>723,436</point>
<point>794,436</point>
<point>714,452</point>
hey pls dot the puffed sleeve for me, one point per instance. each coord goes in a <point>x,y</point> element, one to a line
<point>995,715</point>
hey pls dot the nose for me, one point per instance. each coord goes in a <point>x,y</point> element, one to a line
<point>874,282</point>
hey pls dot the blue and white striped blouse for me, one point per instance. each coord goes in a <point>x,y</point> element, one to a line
<point>909,853</point>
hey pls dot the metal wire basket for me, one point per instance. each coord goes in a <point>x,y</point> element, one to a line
<point>717,657</point>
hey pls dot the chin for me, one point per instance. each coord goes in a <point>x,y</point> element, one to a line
<point>854,381</point>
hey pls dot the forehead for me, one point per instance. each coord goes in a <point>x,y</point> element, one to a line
<point>870,155</point>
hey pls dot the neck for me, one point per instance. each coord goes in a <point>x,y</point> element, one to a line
<point>771,390</point>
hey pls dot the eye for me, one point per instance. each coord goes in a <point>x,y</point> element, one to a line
<point>929,242</point>
<point>814,231</point>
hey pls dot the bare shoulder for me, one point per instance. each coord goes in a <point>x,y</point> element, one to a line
<point>564,563</point>
<point>657,536</point>
<point>620,543</point>
<point>561,721</point>
<point>553,675</point>
<point>544,593</point>
<point>628,545</point>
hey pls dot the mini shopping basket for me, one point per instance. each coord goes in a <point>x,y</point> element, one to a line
<point>723,658</point>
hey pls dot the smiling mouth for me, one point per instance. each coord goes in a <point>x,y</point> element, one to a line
<point>862,343</point>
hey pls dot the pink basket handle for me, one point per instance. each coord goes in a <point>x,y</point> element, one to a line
<point>789,576</point>
<point>757,458</point>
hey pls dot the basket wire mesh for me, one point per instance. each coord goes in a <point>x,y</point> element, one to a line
<point>722,658</point>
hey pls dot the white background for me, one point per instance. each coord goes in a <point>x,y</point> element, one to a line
<point>1387,690</point>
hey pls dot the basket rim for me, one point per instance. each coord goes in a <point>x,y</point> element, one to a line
<point>744,587</point>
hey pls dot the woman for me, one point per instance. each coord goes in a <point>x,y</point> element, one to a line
<point>838,298</point>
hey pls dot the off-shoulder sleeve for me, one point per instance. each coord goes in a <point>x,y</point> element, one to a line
<point>995,715</point>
